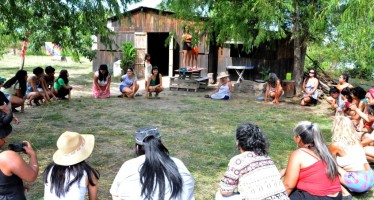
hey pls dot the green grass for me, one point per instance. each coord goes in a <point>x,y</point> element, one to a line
<point>198,131</point>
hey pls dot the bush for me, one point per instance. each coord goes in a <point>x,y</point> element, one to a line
<point>129,54</point>
<point>361,73</point>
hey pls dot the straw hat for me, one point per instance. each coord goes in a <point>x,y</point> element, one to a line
<point>73,148</point>
<point>222,75</point>
<point>5,127</point>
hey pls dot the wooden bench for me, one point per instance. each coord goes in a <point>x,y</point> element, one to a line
<point>178,83</point>
<point>203,82</point>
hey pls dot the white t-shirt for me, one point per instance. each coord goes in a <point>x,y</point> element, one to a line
<point>147,70</point>
<point>76,192</point>
<point>104,82</point>
<point>12,90</point>
<point>126,184</point>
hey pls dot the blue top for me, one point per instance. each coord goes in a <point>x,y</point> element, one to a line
<point>126,81</point>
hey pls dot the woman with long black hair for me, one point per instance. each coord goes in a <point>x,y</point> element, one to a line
<point>62,87</point>
<point>101,84</point>
<point>69,176</point>
<point>154,83</point>
<point>15,90</point>
<point>153,174</point>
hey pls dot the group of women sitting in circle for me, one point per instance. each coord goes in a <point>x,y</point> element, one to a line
<point>129,82</point>
<point>314,170</point>
<point>38,88</point>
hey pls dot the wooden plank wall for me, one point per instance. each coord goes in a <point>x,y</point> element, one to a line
<point>105,57</point>
<point>149,20</point>
<point>278,66</point>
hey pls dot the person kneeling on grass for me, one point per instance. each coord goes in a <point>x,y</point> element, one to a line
<point>355,172</point>
<point>224,88</point>
<point>61,86</point>
<point>129,84</point>
<point>273,89</point>
<point>101,83</point>
<point>154,83</point>
<point>252,170</point>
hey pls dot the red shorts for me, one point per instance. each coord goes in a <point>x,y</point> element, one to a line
<point>195,50</point>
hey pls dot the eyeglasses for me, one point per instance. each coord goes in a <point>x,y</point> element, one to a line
<point>311,72</point>
<point>129,71</point>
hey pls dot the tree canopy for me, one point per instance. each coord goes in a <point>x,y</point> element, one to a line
<point>69,23</point>
<point>346,25</point>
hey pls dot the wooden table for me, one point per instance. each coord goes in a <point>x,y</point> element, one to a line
<point>240,71</point>
<point>190,73</point>
<point>190,80</point>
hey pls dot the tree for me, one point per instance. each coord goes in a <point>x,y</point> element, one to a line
<point>69,23</point>
<point>257,21</point>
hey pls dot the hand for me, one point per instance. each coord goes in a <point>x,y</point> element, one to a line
<point>28,149</point>
<point>16,120</point>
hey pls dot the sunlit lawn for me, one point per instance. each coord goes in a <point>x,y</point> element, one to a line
<point>198,131</point>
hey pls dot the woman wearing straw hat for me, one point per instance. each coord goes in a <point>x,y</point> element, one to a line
<point>69,176</point>
<point>224,88</point>
<point>154,174</point>
<point>13,169</point>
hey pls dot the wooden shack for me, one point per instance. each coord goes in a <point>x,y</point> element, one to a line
<point>150,31</point>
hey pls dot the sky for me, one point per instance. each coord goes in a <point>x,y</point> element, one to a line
<point>146,3</point>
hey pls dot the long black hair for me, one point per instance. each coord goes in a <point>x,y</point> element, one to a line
<point>157,75</point>
<point>20,77</point>
<point>156,167</point>
<point>64,75</point>
<point>251,138</point>
<point>60,174</point>
<point>106,74</point>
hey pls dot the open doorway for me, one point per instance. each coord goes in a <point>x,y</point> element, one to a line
<point>159,51</point>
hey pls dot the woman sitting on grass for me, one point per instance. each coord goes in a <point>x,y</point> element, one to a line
<point>69,176</point>
<point>129,84</point>
<point>34,89</point>
<point>311,172</point>
<point>252,170</point>
<point>310,86</point>
<point>355,172</point>
<point>224,88</point>
<point>153,174</point>
<point>48,81</point>
<point>154,83</point>
<point>101,83</point>
<point>273,89</point>
<point>15,90</point>
<point>61,86</point>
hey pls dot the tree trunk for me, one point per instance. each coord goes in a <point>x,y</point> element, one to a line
<point>22,62</point>
<point>299,51</point>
